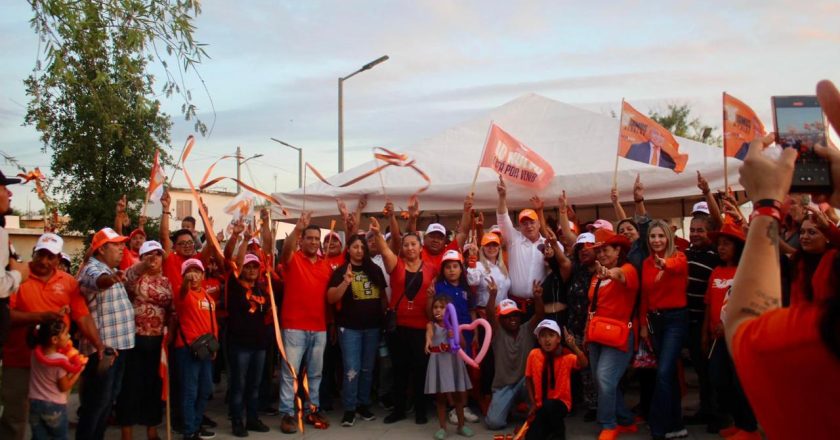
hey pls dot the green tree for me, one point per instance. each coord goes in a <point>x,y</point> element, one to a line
<point>678,120</point>
<point>93,99</point>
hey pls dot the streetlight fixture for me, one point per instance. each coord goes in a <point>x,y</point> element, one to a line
<point>367,66</point>
<point>239,162</point>
<point>300,159</point>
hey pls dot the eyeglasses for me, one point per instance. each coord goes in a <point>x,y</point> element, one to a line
<point>185,243</point>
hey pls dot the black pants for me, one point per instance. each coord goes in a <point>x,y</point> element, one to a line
<point>139,401</point>
<point>730,395</point>
<point>549,421</point>
<point>700,360</point>
<point>409,358</point>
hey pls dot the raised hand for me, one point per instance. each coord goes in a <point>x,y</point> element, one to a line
<point>659,262</point>
<point>537,203</point>
<point>389,209</point>
<point>614,195</point>
<point>638,189</point>
<point>492,288</point>
<point>501,188</point>
<point>413,206</point>
<point>468,202</point>
<point>348,275</point>
<point>818,217</point>
<point>303,221</point>
<point>563,202</point>
<point>537,289</point>
<point>165,200</point>
<point>478,220</point>
<point>702,184</point>
<point>374,225</point>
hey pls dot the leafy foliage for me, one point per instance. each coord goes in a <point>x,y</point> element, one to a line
<point>93,99</point>
<point>678,121</point>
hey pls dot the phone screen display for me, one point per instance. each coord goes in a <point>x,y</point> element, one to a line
<point>800,124</point>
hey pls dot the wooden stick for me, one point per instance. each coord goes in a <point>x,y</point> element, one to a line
<point>303,209</point>
<point>480,158</point>
<point>725,158</point>
<point>618,147</point>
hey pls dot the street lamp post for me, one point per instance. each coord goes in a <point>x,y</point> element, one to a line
<point>367,66</point>
<point>239,163</point>
<point>300,159</point>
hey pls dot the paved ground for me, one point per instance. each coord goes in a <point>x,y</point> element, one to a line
<point>404,430</point>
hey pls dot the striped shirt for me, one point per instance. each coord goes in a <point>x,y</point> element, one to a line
<point>701,263</point>
<point>110,309</point>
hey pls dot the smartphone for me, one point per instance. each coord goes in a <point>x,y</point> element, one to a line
<point>800,124</point>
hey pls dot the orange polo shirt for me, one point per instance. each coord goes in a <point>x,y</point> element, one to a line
<point>616,300</point>
<point>196,316</point>
<point>172,270</point>
<point>563,366</point>
<point>667,291</point>
<point>790,378</point>
<point>34,295</point>
<point>435,261</point>
<point>720,281</point>
<point>305,295</point>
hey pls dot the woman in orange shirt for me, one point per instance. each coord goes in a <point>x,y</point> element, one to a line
<point>665,320</point>
<point>616,284</point>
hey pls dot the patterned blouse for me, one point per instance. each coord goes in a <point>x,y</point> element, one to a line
<point>152,299</point>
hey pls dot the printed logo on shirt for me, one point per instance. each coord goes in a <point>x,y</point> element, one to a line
<point>58,289</point>
<point>725,283</point>
<point>362,288</point>
<point>203,304</point>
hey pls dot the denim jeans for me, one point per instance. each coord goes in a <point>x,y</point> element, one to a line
<point>358,349</point>
<point>302,346</point>
<point>501,403</point>
<point>196,387</point>
<point>246,367</point>
<point>97,394</point>
<point>47,420</point>
<point>670,329</point>
<point>608,366</point>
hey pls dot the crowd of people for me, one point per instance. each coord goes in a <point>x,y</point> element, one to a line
<point>577,312</point>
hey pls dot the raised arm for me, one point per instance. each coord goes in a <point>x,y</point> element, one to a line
<point>619,210</point>
<point>165,215</point>
<point>238,228</point>
<point>501,190</point>
<point>490,307</point>
<point>539,306</point>
<point>714,209</point>
<point>563,261</point>
<point>120,217</point>
<point>208,248</point>
<point>290,244</point>
<point>388,257</point>
<point>466,222</point>
<point>266,238</point>
<point>539,207</point>
<point>563,216</point>
<point>413,214</point>
<point>639,196</point>
<point>394,224</point>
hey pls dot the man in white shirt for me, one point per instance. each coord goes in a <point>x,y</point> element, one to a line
<point>526,263</point>
<point>12,273</point>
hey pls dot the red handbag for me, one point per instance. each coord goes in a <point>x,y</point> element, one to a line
<point>607,331</point>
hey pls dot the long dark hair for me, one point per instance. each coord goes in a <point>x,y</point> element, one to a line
<point>43,332</point>
<point>373,272</point>
<point>462,280</point>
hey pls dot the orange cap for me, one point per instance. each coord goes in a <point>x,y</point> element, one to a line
<point>490,238</point>
<point>528,213</point>
<point>106,235</point>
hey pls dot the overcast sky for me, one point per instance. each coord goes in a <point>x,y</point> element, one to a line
<point>275,64</point>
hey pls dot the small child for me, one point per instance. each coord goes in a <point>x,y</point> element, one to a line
<point>548,378</point>
<point>50,381</point>
<point>446,374</point>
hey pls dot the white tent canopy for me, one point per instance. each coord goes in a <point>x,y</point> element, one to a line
<point>579,144</point>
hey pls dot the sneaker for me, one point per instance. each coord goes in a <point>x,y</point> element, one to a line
<point>208,422</point>
<point>386,403</point>
<point>288,425</point>
<point>469,415</point>
<point>205,434</point>
<point>608,434</point>
<point>627,428</point>
<point>257,426</point>
<point>440,434</point>
<point>364,411</point>
<point>317,419</point>
<point>349,418</point>
<point>682,433</point>
<point>465,431</point>
<point>453,417</point>
<point>394,417</point>
<point>238,428</point>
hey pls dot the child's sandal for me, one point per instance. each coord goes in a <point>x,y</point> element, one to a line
<point>465,431</point>
<point>440,434</point>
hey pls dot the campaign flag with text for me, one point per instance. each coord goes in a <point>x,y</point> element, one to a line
<point>242,205</point>
<point>643,140</point>
<point>155,190</point>
<point>740,127</point>
<point>514,161</point>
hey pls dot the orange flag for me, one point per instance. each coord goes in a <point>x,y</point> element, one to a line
<point>740,127</point>
<point>643,140</point>
<point>514,161</point>
<point>155,190</point>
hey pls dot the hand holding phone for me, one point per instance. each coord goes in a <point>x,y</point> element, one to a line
<point>800,125</point>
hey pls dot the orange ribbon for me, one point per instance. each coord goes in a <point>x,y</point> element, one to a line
<point>391,159</point>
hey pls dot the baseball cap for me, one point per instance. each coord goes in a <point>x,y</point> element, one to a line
<point>490,238</point>
<point>496,229</point>
<point>585,238</point>
<point>334,235</point>
<point>528,213</point>
<point>192,262</point>
<point>66,258</point>
<point>452,255</point>
<point>506,307</point>
<point>7,181</point>
<point>700,207</point>
<point>251,258</point>
<point>137,231</point>
<point>149,246</point>
<point>106,235</point>
<point>436,227</point>
<point>50,242</point>
<point>254,240</point>
<point>601,224</point>
<point>549,324</point>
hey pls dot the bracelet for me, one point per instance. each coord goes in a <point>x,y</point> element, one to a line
<point>770,211</point>
<point>166,213</point>
<point>639,200</point>
<point>769,203</point>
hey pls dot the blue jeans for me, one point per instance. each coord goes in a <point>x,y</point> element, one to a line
<point>358,350</point>
<point>47,420</point>
<point>246,367</point>
<point>97,394</point>
<point>501,403</point>
<point>196,387</point>
<point>302,346</point>
<point>608,365</point>
<point>670,329</point>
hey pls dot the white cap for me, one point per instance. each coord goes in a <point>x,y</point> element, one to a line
<point>254,240</point>
<point>601,224</point>
<point>549,324</point>
<point>700,207</point>
<point>66,257</point>
<point>149,246</point>
<point>436,227</point>
<point>50,242</point>
<point>586,237</point>
<point>452,255</point>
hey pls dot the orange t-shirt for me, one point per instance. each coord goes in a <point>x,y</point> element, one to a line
<point>129,258</point>
<point>616,300</point>
<point>172,270</point>
<point>720,281</point>
<point>411,313</point>
<point>35,295</point>
<point>563,366</point>
<point>305,294</point>
<point>667,292</point>
<point>196,316</point>
<point>790,378</point>
<point>821,282</point>
<point>434,261</point>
